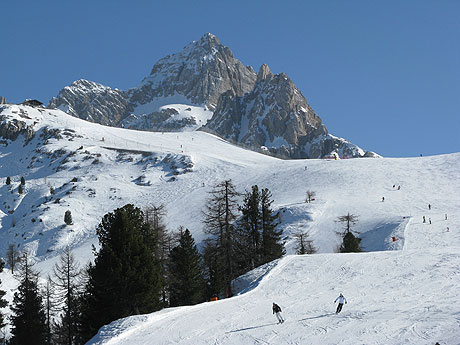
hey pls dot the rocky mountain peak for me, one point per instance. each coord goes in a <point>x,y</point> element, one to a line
<point>264,73</point>
<point>201,72</point>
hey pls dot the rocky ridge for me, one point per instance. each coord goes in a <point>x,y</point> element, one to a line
<point>264,111</point>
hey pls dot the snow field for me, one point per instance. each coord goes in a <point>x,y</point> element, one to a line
<point>403,292</point>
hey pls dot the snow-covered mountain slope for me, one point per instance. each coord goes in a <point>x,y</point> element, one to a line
<point>403,294</point>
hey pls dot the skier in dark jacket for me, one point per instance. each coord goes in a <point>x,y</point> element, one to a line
<point>341,300</point>
<point>277,310</point>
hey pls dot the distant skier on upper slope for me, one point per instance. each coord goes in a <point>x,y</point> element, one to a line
<point>341,300</point>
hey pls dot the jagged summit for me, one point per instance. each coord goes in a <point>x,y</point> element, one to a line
<point>205,86</point>
<point>264,73</point>
<point>201,72</point>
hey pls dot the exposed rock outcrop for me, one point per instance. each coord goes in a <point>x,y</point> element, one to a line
<point>93,102</point>
<point>201,72</point>
<point>276,116</point>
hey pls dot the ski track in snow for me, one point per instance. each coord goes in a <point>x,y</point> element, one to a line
<point>403,292</point>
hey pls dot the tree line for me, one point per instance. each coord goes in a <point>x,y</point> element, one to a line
<point>141,267</point>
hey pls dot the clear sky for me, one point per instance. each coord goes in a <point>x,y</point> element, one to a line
<point>382,74</point>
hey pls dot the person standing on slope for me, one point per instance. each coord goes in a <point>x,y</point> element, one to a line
<point>277,311</point>
<point>341,300</point>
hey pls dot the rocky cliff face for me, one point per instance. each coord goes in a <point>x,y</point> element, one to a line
<point>93,102</point>
<point>275,116</point>
<point>201,72</point>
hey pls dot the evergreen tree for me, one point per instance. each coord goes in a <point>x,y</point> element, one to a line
<point>23,181</point>
<point>220,214</point>
<point>3,303</point>
<point>124,279</point>
<point>28,316</point>
<point>214,261</point>
<point>68,217</point>
<point>20,189</point>
<point>249,230</point>
<point>8,180</point>
<point>350,243</point>
<point>186,278</point>
<point>66,283</point>
<point>272,244</point>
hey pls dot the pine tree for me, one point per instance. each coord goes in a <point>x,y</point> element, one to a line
<point>220,215</point>
<point>3,303</point>
<point>23,181</point>
<point>272,244</point>
<point>186,278</point>
<point>249,230</point>
<point>20,189</point>
<point>66,282</point>
<point>68,217</point>
<point>350,243</point>
<point>124,279</point>
<point>28,316</point>
<point>8,180</point>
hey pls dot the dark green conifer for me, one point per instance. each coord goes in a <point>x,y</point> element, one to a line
<point>186,277</point>
<point>124,279</point>
<point>272,242</point>
<point>350,243</point>
<point>28,320</point>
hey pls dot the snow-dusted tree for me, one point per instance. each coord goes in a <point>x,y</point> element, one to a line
<point>219,216</point>
<point>8,180</point>
<point>304,245</point>
<point>310,196</point>
<point>28,320</point>
<point>23,181</point>
<point>68,217</point>
<point>20,189</point>
<point>13,256</point>
<point>67,285</point>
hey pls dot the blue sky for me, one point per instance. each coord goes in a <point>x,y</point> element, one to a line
<point>382,74</point>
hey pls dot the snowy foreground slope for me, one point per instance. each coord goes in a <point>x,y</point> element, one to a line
<point>403,292</point>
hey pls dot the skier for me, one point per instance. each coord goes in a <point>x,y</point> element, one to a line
<point>445,217</point>
<point>429,220</point>
<point>399,187</point>
<point>383,198</point>
<point>429,206</point>
<point>277,311</point>
<point>341,300</point>
<point>424,220</point>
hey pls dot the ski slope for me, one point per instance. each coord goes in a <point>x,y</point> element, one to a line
<point>399,292</point>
